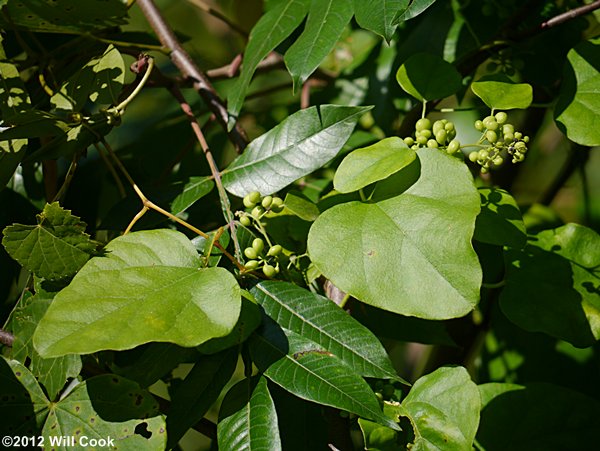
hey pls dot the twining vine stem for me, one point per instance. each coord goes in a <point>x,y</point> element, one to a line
<point>190,70</point>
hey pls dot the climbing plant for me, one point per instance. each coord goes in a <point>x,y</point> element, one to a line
<point>300,224</point>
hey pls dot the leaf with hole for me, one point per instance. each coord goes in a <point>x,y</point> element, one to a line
<point>401,253</point>
<point>300,144</point>
<point>148,287</point>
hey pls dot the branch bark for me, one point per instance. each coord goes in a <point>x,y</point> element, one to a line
<point>6,338</point>
<point>189,69</point>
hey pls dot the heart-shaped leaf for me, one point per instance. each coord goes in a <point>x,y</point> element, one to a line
<point>500,93</point>
<point>428,77</point>
<point>147,288</point>
<point>412,253</point>
<point>371,164</point>
<point>302,143</point>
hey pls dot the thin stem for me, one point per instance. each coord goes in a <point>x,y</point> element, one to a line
<point>68,178</point>
<point>213,12</point>
<point>112,171</point>
<point>135,219</point>
<point>121,106</point>
<point>190,70</point>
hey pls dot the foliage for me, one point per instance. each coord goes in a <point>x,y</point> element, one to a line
<point>404,254</point>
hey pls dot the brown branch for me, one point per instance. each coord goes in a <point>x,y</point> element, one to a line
<point>190,70</point>
<point>273,61</point>
<point>6,338</point>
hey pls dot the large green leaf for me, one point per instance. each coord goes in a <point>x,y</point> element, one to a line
<point>302,143</point>
<point>103,406</point>
<point>51,373</point>
<point>307,370</point>
<point>57,247</point>
<point>500,93</point>
<point>272,28</point>
<point>147,288</point>
<point>197,393</point>
<point>324,26</point>
<point>100,81</point>
<point>64,16</point>
<point>410,254</point>
<point>371,164</point>
<point>247,419</point>
<point>443,408</point>
<point>552,285</point>
<point>323,322</point>
<point>500,221</point>
<point>426,76</point>
<point>578,106</point>
<point>379,16</point>
<point>539,417</point>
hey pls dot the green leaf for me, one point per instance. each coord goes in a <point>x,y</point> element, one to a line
<point>194,189</point>
<point>247,419</point>
<point>500,221</point>
<point>272,28</point>
<point>55,248</point>
<point>428,77</point>
<point>578,105</point>
<point>539,416</point>
<point>147,288</point>
<point>51,373</point>
<point>301,206</point>
<point>379,16</point>
<point>378,437</point>
<point>102,406</point>
<point>99,81</point>
<point>371,164</point>
<point>552,285</point>
<point>197,393</point>
<point>64,16</point>
<point>410,254</point>
<point>415,8</point>
<point>305,369</point>
<point>300,144</point>
<point>326,21</point>
<point>500,93</point>
<point>322,321</point>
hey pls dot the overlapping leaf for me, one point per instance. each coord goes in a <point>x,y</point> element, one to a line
<point>500,93</point>
<point>578,106</point>
<point>320,320</point>
<point>55,248</point>
<point>308,371</point>
<point>401,253</point>
<point>379,16</point>
<point>552,285</point>
<point>194,189</point>
<point>102,406</point>
<point>147,288</point>
<point>426,76</point>
<point>248,420</point>
<point>303,142</point>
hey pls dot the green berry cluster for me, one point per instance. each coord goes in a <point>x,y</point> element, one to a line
<point>259,206</point>
<point>441,134</point>
<point>498,139</point>
<point>260,257</point>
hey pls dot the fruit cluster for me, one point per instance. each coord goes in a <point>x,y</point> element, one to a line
<point>498,139</point>
<point>259,206</point>
<point>441,134</point>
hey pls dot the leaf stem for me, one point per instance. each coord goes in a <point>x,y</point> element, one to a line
<point>120,108</point>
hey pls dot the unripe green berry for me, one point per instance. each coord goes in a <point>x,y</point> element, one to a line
<point>267,201</point>
<point>274,250</point>
<point>479,125</point>
<point>490,123</point>
<point>518,135</point>
<point>484,170</point>
<point>508,137</point>
<point>423,124</point>
<point>501,117</point>
<point>251,253</point>
<point>245,221</point>
<point>449,126</point>
<point>483,154</point>
<point>526,139</point>
<point>248,203</point>
<point>437,126</point>
<point>415,147</point>
<point>257,212</point>
<point>258,245</point>
<point>269,270</point>
<point>277,205</point>
<point>441,136</point>
<point>474,156</point>
<point>498,161</point>
<point>508,129</point>
<point>251,265</point>
<point>491,136</point>
<point>453,146</point>
<point>421,140</point>
<point>520,146</point>
<point>409,141</point>
<point>426,133</point>
<point>432,144</point>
